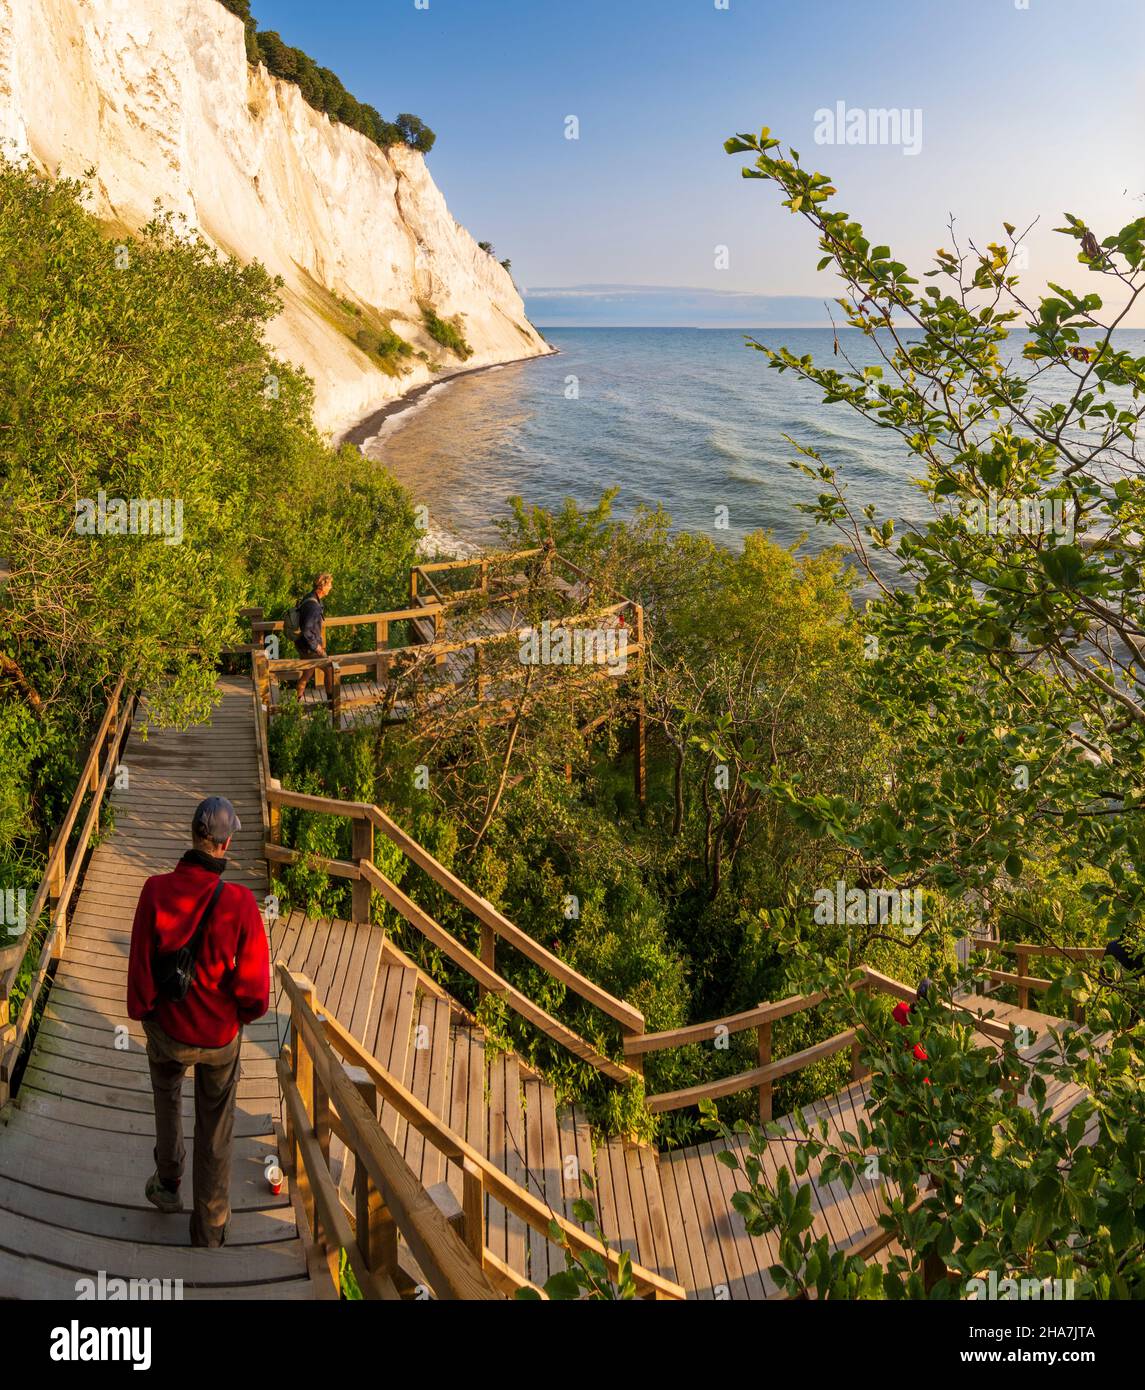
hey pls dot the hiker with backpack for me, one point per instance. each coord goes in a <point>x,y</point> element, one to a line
<point>303,626</point>
<point>198,970</point>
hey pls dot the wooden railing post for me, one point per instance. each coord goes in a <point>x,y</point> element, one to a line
<point>261,670</point>
<point>326,1241</point>
<point>375,1231</point>
<point>1023,971</point>
<point>413,584</point>
<point>334,692</point>
<point>362,847</point>
<point>473,1208</point>
<point>484,576</point>
<point>488,953</point>
<point>381,644</point>
<point>764,1048</point>
<point>439,633</point>
<point>302,1066</point>
<point>58,874</point>
<point>858,1071</point>
<point>636,1061</point>
<point>274,818</point>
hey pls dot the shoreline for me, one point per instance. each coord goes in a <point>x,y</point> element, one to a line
<point>371,425</point>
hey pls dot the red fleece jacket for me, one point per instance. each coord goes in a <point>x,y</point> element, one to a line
<point>232,977</point>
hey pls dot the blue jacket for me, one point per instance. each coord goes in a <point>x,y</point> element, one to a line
<point>310,615</point>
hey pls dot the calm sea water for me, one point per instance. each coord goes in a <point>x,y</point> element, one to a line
<point>691,418</point>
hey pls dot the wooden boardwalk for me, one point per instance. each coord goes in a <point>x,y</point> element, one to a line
<point>75,1145</point>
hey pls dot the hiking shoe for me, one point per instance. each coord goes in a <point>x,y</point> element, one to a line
<point>162,1197</point>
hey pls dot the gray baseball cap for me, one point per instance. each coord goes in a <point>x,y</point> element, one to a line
<point>215,819</point>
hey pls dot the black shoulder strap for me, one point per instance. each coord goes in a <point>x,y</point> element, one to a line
<point>197,940</point>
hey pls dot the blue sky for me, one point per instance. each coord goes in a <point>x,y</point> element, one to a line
<point>1028,108</point>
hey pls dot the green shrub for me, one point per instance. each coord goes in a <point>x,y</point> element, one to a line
<point>137,367</point>
<point>384,345</point>
<point>447,333</point>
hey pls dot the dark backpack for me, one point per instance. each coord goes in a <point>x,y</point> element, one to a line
<point>174,970</point>
<point>292,622</point>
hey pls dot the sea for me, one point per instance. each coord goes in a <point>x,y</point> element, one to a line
<point>691,419</point>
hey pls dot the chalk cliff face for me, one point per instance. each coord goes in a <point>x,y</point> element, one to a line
<point>158,96</point>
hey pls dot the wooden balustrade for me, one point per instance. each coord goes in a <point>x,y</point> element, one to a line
<point>387,666</point>
<point>365,818</point>
<point>61,874</point>
<point>762,1077</point>
<point>324,1096</point>
<point>479,1176</point>
<point>481,564</point>
<point>1021,978</point>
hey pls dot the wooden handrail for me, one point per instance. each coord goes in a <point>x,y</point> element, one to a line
<point>59,881</point>
<point>496,1184</point>
<point>389,1198</point>
<point>498,557</point>
<point>732,1023</point>
<point>887,984</point>
<point>489,980</point>
<point>357,619</point>
<point>1022,980</point>
<point>368,656</point>
<point>1030,949</point>
<point>629,1018</point>
<point>751,1080</point>
<point>12,954</point>
<point>761,1018</point>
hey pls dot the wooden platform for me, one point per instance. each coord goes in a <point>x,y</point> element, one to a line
<point>366,703</point>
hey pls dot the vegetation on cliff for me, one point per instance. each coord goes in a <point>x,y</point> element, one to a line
<point>323,90</point>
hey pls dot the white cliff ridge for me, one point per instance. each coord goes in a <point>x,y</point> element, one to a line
<point>160,100</point>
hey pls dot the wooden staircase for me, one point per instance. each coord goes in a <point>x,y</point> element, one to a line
<point>491,1098</point>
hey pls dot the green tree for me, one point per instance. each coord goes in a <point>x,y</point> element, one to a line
<point>280,59</point>
<point>1005,659</point>
<point>1027,1166</point>
<point>416,134</point>
<point>135,372</point>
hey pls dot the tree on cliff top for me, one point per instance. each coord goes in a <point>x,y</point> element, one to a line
<point>416,134</point>
<point>323,89</point>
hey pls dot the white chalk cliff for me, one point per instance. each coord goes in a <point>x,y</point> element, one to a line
<point>158,96</point>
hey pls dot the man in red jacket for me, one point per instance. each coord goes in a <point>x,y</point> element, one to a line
<point>901,1016</point>
<point>231,986</point>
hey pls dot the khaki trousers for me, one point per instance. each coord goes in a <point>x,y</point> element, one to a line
<point>217,1073</point>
